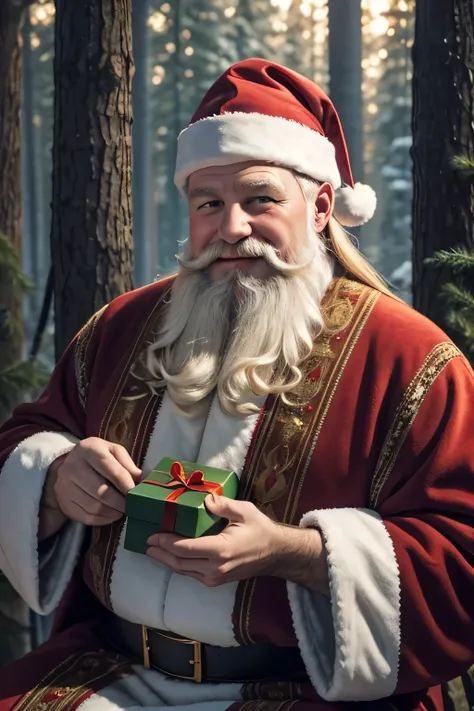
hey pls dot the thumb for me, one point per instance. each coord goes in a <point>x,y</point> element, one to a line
<point>227,508</point>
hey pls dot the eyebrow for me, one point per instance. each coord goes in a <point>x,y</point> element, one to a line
<point>254,186</point>
<point>264,184</point>
<point>201,192</point>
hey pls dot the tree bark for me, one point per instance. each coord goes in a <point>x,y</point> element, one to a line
<point>91,236</point>
<point>345,75</point>
<point>10,166</point>
<point>443,116</point>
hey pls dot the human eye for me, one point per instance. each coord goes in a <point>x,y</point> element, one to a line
<point>262,199</point>
<point>210,204</point>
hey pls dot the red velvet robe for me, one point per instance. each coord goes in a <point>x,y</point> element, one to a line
<point>383,420</point>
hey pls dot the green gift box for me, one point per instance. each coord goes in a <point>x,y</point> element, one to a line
<point>171,498</point>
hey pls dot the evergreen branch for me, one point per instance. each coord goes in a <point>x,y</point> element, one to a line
<point>459,298</point>
<point>464,326</point>
<point>463,165</point>
<point>458,260</point>
<point>10,328</point>
<point>465,329</point>
<point>10,267</point>
<point>17,380</point>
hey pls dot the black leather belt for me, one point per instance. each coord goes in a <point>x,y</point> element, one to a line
<point>195,661</point>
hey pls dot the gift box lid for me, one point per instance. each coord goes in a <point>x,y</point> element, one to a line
<point>146,502</point>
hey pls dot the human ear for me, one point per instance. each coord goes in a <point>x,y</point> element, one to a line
<point>324,205</point>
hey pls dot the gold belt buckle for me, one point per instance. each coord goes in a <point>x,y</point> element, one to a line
<point>197,661</point>
<point>145,647</point>
<point>197,655</point>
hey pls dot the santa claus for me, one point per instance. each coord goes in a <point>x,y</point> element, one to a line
<point>345,573</point>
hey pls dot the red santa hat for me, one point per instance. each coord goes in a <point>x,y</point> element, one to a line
<point>261,111</point>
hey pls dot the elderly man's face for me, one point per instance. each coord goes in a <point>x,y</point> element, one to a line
<point>233,202</point>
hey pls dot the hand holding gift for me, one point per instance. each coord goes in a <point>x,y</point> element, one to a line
<point>88,485</point>
<point>175,496</point>
<point>246,547</point>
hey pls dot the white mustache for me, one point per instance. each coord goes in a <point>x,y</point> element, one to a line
<point>248,248</point>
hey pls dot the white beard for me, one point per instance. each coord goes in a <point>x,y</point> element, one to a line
<point>239,335</point>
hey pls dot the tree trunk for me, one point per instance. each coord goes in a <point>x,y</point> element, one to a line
<point>10,167</point>
<point>141,145</point>
<point>14,613</point>
<point>91,236</point>
<point>443,115</point>
<point>345,75</point>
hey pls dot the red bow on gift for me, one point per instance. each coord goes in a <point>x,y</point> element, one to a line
<point>182,483</point>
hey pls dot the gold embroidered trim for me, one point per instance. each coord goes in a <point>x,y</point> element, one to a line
<point>76,676</point>
<point>245,493</point>
<point>456,693</point>
<point>276,471</point>
<point>132,357</point>
<point>408,409</point>
<point>328,396</point>
<point>290,420</point>
<point>123,429</point>
<point>80,355</point>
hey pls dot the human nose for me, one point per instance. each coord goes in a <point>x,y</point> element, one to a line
<point>235,225</point>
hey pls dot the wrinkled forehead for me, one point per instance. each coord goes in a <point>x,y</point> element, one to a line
<point>247,174</point>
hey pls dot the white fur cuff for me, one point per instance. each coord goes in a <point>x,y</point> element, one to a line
<point>351,649</point>
<point>21,486</point>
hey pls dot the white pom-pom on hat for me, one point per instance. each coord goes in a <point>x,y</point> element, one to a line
<point>354,206</point>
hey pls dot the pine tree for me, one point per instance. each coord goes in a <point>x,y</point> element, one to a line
<point>258,29</point>
<point>91,236</point>
<point>20,378</point>
<point>10,171</point>
<point>443,205</point>
<point>17,377</point>
<point>305,48</point>
<point>458,294</point>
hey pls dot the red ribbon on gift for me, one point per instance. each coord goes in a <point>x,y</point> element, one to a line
<point>180,483</point>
